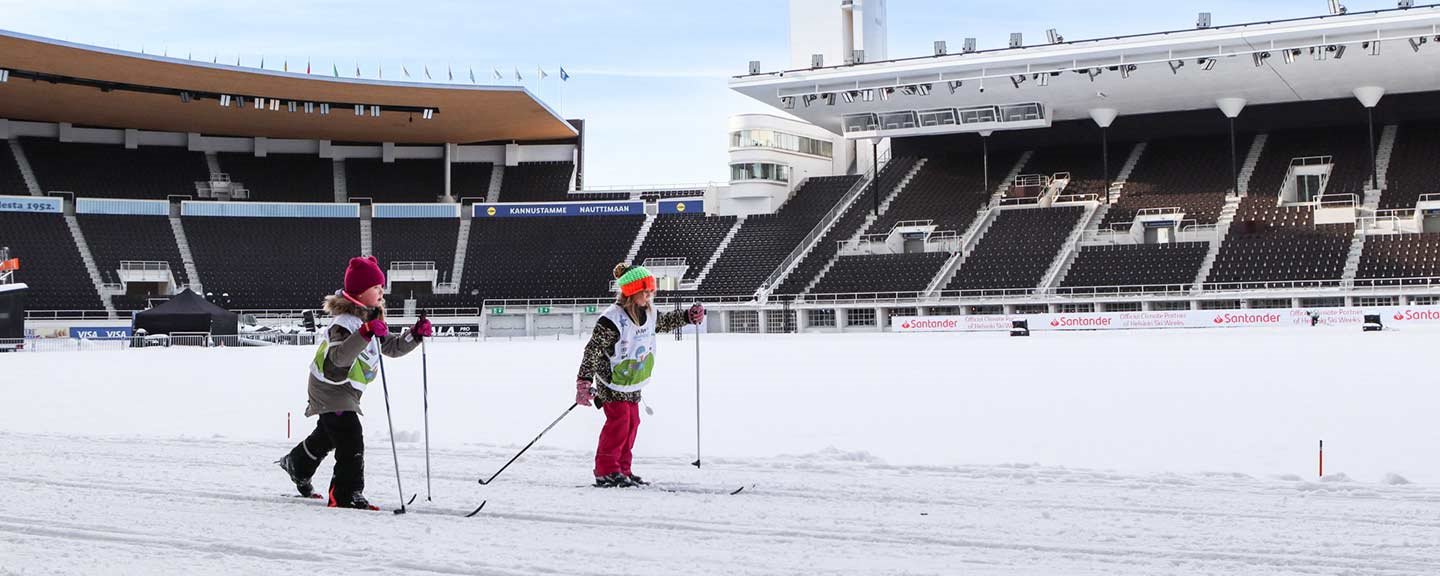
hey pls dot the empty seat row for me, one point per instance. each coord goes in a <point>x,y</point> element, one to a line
<point>694,237</point>
<point>1017,249</point>
<point>1137,264</point>
<point>881,273</point>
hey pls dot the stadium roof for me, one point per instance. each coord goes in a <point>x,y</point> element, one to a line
<point>1250,61</point>
<point>56,81</point>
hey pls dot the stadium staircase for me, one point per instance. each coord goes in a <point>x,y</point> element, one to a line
<point>26,172</point>
<point>1090,222</point>
<point>337,171</point>
<point>640,238</point>
<point>191,271</point>
<point>457,270</point>
<point>497,181</point>
<point>1384,151</point>
<point>367,237</point>
<point>104,291</point>
<point>212,160</point>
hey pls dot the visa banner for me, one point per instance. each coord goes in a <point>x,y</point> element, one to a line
<point>554,209</point>
<point>99,332</point>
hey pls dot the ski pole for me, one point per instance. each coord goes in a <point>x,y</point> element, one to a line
<point>391,422</point>
<point>485,482</point>
<point>696,463</point>
<point>425,396</point>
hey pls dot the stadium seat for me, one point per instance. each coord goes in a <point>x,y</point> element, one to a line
<point>50,263</point>
<point>112,171</point>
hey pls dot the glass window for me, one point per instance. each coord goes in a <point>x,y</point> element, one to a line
<point>781,141</point>
<point>759,171</point>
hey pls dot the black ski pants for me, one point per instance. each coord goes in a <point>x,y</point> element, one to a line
<point>341,432</point>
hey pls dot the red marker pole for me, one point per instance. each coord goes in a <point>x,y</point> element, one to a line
<point>287,425</point>
<point>1322,458</point>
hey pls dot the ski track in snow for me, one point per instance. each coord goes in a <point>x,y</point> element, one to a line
<point>100,505</point>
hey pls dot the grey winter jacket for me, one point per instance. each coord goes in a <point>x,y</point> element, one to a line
<point>345,347</point>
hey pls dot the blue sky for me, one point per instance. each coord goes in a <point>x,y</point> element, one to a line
<point>648,76</point>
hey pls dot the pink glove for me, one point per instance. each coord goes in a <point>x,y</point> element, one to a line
<point>696,314</point>
<point>422,329</point>
<point>377,326</point>
<point>582,392</point>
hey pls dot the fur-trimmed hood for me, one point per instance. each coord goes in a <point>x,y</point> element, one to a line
<point>337,305</point>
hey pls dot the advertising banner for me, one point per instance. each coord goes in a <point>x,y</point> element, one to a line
<point>31,204</point>
<point>1249,318</point>
<point>99,332</point>
<point>551,209</point>
<point>687,206</point>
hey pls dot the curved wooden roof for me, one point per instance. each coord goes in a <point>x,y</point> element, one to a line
<point>463,114</point>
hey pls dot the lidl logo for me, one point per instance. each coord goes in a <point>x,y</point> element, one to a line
<point>679,206</point>
<point>490,211</point>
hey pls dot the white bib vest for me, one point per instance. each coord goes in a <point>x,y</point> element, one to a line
<point>634,354</point>
<point>362,372</point>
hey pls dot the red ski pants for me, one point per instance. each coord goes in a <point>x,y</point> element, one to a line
<point>617,438</point>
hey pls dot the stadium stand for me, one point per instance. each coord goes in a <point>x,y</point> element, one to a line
<point>113,239</point>
<point>537,182</point>
<point>12,183</point>
<point>1412,165</point>
<point>846,227</point>
<point>49,262</point>
<point>694,237</point>
<point>413,180</point>
<point>295,263</point>
<point>1192,174</point>
<point>567,257</point>
<point>417,240</point>
<point>1137,264</point>
<point>1083,162</point>
<point>763,241</point>
<point>282,177</point>
<point>1269,243</point>
<point>1389,258</point>
<point>111,171</point>
<point>1017,249</point>
<point>882,273</point>
<point>470,179</point>
<point>1346,145</point>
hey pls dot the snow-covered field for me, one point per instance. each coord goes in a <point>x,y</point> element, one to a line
<point>1155,452</point>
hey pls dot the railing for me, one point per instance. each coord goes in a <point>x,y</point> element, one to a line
<point>1337,201</point>
<point>614,188</point>
<point>1030,180</point>
<point>144,265</point>
<point>820,226</point>
<point>946,240</point>
<point>861,244</point>
<point>417,266</point>
<point>1429,198</point>
<point>1064,198</point>
<point>1159,211</point>
<point>911,223</point>
<point>1310,161</point>
<point>664,262</point>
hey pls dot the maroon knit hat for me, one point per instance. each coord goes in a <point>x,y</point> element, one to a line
<point>363,273</point>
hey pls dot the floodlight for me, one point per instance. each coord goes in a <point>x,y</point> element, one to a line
<point>885,94</point>
<point>1042,79</point>
<point>1416,43</point>
<point>1374,46</point>
<point>969,45</point>
<point>1260,58</point>
<point>940,49</point>
<point>849,95</point>
<point>292,106</point>
<point>955,84</point>
<point>1206,64</point>
<point>428,113</point>
<point>1126,70</point>
<point>788,102</point>
<point>185,97</point>
<point>1203,20</point>
<point>1016,40</point>
<point>4,75</point>
<point>224,100</point>
<point>1176,65</point>
<point>1053,36</point>
<point>1017,80</point>
<point>359,109</point>
<point>1093,72</point>
<point>274,104</point>
<point>830,99</point>
<point>922,89</point>
<point>868,95</point>
<point>324,108</point>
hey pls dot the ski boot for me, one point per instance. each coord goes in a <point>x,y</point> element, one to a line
<point>613,480</point>
<point>302,485</point>
<point>636,480</point>
<point>356,501</point>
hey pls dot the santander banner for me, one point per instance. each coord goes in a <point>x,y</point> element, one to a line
<point>1250,318</point>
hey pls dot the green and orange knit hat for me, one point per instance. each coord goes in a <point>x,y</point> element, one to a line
<point>632,279</point>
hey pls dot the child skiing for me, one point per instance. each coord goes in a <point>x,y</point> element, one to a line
<point>620,357</point>
<point>345,362</point>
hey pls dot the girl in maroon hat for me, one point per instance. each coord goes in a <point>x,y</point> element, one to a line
<point>345,363</point>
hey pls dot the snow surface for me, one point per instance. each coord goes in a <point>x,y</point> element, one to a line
<point>1155,452</point>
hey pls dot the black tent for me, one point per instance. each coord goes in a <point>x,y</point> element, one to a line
<point>187,312</point>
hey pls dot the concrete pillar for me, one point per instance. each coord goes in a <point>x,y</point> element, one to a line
<point>764,321</point>
<point>449,197</point>
<point>387,152</point>
<point>802,320</point>
<point>881,321</point>
<point>529,323</point>
<point>576,324</point>
<point>842,319</point>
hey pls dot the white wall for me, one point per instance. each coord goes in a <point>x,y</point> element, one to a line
<point>826,27</point>
<point>765,197</point>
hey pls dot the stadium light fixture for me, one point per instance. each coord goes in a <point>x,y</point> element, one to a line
<point>4,75</point>
<point>240,102</point>
<point>1017,40</point>
<point>1176,65</point>
<point>1338,49</point>
<point>1042,79</point>
<point>375,111</point>
<point>324,108</point>
<point>922,89</point>
<point>1336,8</point>
<point>868,95</point>
<point>849,95</point>
<point>1053,36</point>
<point>940,49</point>
<point>1203,20</point>
<point>1289,55</point>
<point>1017,80</point>
<point>428,114</point>
<point>829,99</point>
<point>1126,70</point>
<point>359,109</point>
<point>1405,4</point>
<point>224,100</point>
<point>185,97</point>
<point>292,106</point>
<point>788,102</point>
<point>274,104</point>
<point>1318,52</point>
<point>1260,58</point>
<point>809,98</point>
<point>1373,46</point>
<point>259,103</point>
<point>955,85</point>
<point>1416,43</point>
<point>885,94</point>
<point>969,47</point>
<point>1093,72</point>
<point>1206,64</point>
<point>908,90</point>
